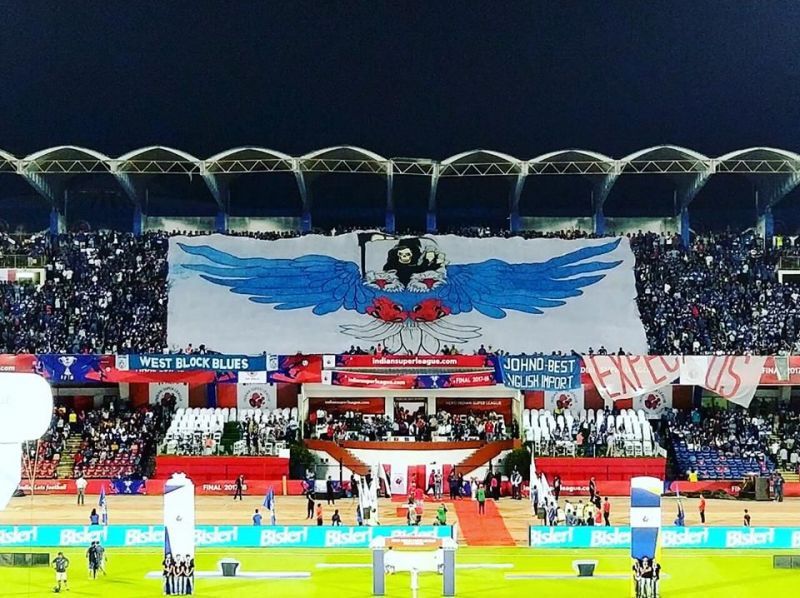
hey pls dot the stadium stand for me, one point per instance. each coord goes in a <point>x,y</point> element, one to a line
<point>417,426</point>
<point>209,431</point>
<point>732,443</point>
<point>719,295</point>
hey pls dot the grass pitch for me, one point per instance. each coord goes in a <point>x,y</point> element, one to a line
<point>697,573</point>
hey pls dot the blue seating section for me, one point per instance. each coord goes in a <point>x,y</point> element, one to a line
<point>713,464</point>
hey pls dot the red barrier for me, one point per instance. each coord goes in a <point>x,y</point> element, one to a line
<point>61,486</point>
<point>202,469</point>
<point>156,487</point>
<point>604,487</point>
<point>602,468</point>
<point>227,487</point>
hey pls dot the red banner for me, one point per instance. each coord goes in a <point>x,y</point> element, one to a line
<point>372,405</point>
<point>63,486</point>
<point>359,380</point>
<point>791,376</point>
<point>470,406</point>
<point>17,363</point>
<point>407,361</point>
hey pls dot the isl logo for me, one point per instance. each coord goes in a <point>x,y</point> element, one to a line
<point>256,400</point>
<point>564,400</point>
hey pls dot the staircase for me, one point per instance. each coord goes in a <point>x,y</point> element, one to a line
<point>488,452</point>
<point>67,463</point>
<point>790,476</point>
<point>340,455</point>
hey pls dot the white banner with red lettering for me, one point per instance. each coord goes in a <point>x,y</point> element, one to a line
<point>625,376</point>
<point>263,397</point>
<point>569,400</point>
<point>654,403</point>
<point>735,378</point>
<point>616,377</point>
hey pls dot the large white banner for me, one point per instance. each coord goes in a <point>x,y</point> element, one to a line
<point>322,294</point>
<point>256,396</point>
<point>568,400</point>
<point>163,391</point>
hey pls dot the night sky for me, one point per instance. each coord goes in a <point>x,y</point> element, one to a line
<point>403,79</point>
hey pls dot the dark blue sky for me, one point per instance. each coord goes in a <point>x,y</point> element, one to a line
<point>406,79</point>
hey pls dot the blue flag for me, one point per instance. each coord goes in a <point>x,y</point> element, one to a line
<point>269,504</point>
<point>103,504</point>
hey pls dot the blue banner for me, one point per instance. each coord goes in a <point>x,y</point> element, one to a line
<point>776,538</point>
<point>208,536</point>
<point>182,363</point>
<point>68,368</point>
<point>127,486</point>
<point>541,372</point>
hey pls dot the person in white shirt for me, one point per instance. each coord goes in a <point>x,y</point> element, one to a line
<point>80,486</point>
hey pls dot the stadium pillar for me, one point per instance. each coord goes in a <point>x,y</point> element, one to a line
<point>305,222</point>
<point>599,221</point>
<point>430,222</point>
<point>221,222</point>
<point>767,225</point>
<point>56,222</point>
<point>138,220</point>
<point>389,223</point>
<point>685,235</point>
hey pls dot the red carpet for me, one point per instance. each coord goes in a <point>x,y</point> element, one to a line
<point>482,530</point>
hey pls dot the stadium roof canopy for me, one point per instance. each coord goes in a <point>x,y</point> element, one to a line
<point>776,170</point>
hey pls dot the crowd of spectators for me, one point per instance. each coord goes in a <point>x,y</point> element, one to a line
<point>407,425</point>
<point>106,292</point>
<point>103,293</point>
<point>725,443</point>
<point>118,442</point>
<point>262,432</point>
<point>105,442</point>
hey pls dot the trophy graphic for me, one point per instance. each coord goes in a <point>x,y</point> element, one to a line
<point>67,361</point>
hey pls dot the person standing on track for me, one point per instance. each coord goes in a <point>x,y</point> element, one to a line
<point>607,512</point>
<point>329,494</point>
<point>80,486</point>
<point>239,488</point>
<point>746,518</point>
<point>319,514</point>
<point>310,503</point>
<point>481,496</point>
<point>702,508</point>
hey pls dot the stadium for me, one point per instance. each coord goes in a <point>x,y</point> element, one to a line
<point>235,365</point>
<point>433,407</point>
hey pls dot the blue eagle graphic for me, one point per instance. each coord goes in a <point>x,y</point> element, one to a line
<point>412,300</point>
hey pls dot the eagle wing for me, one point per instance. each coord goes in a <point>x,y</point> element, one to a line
<point>493,287</point>
<point>321,282</point>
